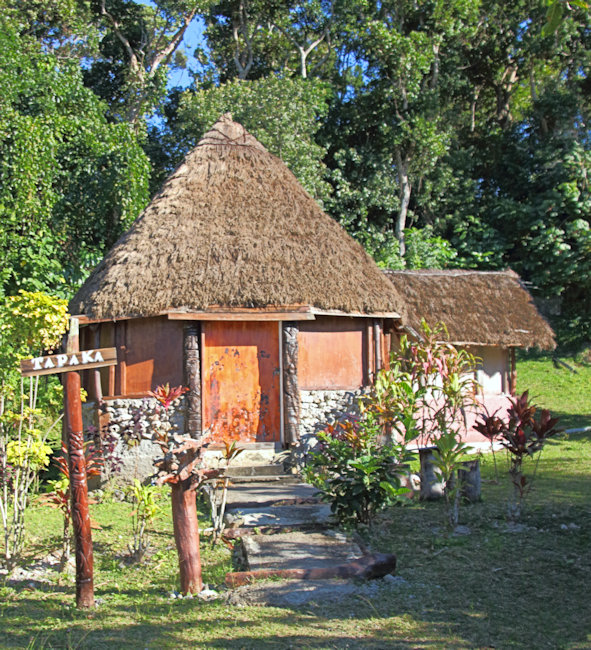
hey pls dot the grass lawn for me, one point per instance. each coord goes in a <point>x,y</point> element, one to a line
<point>500,586</point>
<point>567,394</point>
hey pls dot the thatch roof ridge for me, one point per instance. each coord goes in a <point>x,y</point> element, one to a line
<point>450,272</point>
<point>477,307</point>
<point>232,227</point>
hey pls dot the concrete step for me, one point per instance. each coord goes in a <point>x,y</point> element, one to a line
<point>250,454</point>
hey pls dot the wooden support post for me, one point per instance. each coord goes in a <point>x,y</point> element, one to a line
<point>513,372</point>
<point>291,393</point>
<point>387,348</point>
<point>78,480</point>
<point>377,342</point>
<point>369,352</point>
<point>186,536</point>
<point>192,370</point>
<point>120,344</point>
<point>97,389</point>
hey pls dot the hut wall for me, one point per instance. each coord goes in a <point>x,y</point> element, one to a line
<point>333,353</point>
<point>130,424</point>
<point>153,354</point>
<point>149,353</point>
<point>321,407</point>
<point>334,357</point>
<point>493,373</point>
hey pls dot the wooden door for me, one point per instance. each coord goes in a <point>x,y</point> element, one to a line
<point>241,380</point>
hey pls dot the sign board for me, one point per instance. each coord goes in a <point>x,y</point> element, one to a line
<point>67,362</point>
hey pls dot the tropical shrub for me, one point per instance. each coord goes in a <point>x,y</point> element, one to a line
<point>355,470</point>
<point>24,453</point>
<point>30,323</point>
<point>434,386</point>
<point>215,490</point>
<point>143,499</point>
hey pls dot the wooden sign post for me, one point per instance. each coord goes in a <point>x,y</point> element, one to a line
<point>71,362</point>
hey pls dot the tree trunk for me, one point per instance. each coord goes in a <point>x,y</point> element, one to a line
<point>186,536</point>
<point>470,480</point>
<point>431,484</point>
<point>405,190</point>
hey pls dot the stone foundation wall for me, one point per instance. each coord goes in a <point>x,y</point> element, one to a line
<point>321,407</point>
<point>130,421</point>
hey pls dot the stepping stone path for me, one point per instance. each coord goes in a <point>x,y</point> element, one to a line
<point>283,526</point>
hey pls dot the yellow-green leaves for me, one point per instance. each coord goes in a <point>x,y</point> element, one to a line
<point>29,453</point>
<point>31,322</point>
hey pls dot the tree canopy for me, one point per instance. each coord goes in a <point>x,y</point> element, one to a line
<point>447,132</point>
<point>70,181</point>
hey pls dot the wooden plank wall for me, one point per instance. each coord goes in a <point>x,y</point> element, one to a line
<point>334,353</point>
<point>149,353</point>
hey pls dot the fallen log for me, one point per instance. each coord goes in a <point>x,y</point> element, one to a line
<point>368,567</point>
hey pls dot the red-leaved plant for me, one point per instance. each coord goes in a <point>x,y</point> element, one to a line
<point>523,435</point>
<point>166,395</point>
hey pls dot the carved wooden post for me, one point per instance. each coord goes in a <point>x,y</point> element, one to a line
<point>377,343</point>
<point>291,393</point>
<point>78,480</point>
<point>97,389</point>
<point>192,368</point>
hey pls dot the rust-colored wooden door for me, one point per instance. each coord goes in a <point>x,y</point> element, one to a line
<point>241,380</point>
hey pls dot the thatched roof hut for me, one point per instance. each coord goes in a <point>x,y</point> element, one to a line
<point>233,228</point>
<point>490,308</point>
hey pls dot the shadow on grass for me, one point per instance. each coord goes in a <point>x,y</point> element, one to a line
<point>391,620</point>
<point>573,421</point>
<point>521,588</point>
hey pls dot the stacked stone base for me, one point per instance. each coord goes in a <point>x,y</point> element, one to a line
<point>129,423</point>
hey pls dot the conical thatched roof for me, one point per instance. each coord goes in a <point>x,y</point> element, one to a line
<point>232,227</point>
<point>477,307</point>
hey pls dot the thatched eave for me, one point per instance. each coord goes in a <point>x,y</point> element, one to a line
<point>479,308</point>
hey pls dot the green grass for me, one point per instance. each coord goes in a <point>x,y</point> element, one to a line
<point>567,394</point>
<point>497,587</point>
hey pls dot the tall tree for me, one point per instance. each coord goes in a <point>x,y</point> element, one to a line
<point>390,127</point>
<point>521,157</point>
<point>282,113</point>
<point>139,45</point>
<point>69,180</point>
<point>249,39</point>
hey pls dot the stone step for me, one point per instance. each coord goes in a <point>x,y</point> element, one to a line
<point>275,469</point>
<point>298,550</point>
<point>259,494</point>
<point>279,478</point>
<point>297,516</point>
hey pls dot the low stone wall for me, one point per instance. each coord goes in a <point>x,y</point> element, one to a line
<point>321,407</point>
<point>130,422</point>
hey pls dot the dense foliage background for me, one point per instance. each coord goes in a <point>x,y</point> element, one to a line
<point>439,132</point>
